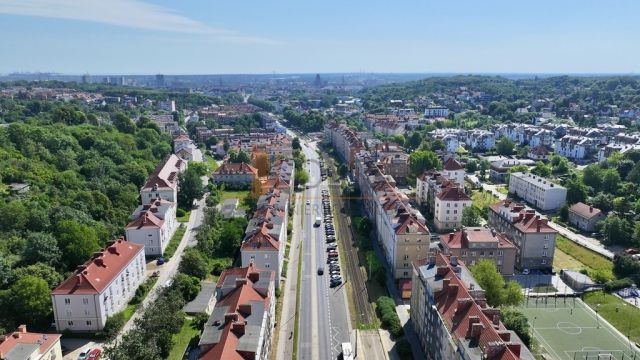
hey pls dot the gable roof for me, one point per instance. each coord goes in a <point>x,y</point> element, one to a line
<point>146,219</point>
<point>462,238</point>
<point>452,165</point>
<point>453,193</point>
<point>97,273</point>
<point>20,344</point>
<point>584,210</point>
<point>166,173</point>
<point>260,240</point>
<point>235,169</point>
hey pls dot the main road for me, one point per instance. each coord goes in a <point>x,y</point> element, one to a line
<point>323,320</point>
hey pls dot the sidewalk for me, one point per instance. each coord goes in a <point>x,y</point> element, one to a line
<point>288,315</point>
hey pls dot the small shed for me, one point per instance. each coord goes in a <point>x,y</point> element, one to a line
<point>204,302</point>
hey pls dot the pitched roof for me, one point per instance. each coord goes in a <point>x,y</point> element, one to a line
<point>97,273</point>
<point>522,218</point>
<point>21,343</point>
<point>462,238</point>
<point>539,150</point>
<point>452,165</point>
<point>453,193</point>
<point>146,219</point>
<point>260,240</point>
<point>584,210</point>
<point>409,224</point>
<point>166,173</point>
<point>235,169</point>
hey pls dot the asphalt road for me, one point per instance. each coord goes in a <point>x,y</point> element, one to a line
<point>322,312</point>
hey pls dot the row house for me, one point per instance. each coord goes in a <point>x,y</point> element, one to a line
<point>401,230</point>
<point>99,288</point>
<point>163,181</point>
<point>473,244</point>
<point>241,324</point>
<point>235,174</point>
<point>24,345</point>
<point>152,225</point>
<point>429,185</point>
<point>480,140</point>
<point>605,151</point>
<point>537,191</point>
<point>344,140</point>
<point>575,148</point>
<point>452,319</point>
<point>436,111</point>
<point>534,239</point>
<point>542,137</point>
<point>449,206</point>
<point>284,169</point>
<point>203,133</point>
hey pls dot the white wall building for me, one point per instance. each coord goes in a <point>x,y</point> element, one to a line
<point>449,205</point>
<point>99,288</point>
<point>152,225</point>
<point>163,182</point>
<point>436,111</point>
<point>537,191</point>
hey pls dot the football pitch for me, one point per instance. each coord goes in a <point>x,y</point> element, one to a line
<point>568,329</point>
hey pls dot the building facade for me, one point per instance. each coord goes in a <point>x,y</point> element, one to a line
<point>537,191</point>
<point>235,174</point>
<point>449,205</point>
<point>152,225</point>
<point>473,244</point>
<point>163,181</point>
<point>24,345</point>
<point>585,217</point>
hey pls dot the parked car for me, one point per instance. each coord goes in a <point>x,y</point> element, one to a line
<point>160,260</point>
<point>84,355</point>
<point>320,270</point>
<point>95,354</point>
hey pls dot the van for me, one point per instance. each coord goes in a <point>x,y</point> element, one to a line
<point>318,221</point>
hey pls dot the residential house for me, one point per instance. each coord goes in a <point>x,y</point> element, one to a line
<point>538,153</point>
<point>99,288</point>
<point>452,319</point>
<point>344,140</point>
<point>534,239</point>
<point>537,191</point>
<point>453,171</point>
<point>428,186</point>
<point>585,217</point>
<point>235,174</point>
<point>576,148</point>
<point>24,345</point>
<point>498,170</point>
<point>152,225</point>
<point>449,205</point>
<point>480,140</point>
<point>163,181</point>
<point>241,324</point>
<point>473,244</point>
<point>263,250</point>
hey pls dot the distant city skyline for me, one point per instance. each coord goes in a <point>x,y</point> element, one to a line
<point>199,37</point>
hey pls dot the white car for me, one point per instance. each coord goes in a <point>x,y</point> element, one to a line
<point>525,271</point>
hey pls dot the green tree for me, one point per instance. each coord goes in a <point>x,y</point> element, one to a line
<point>471,216</point>
<point>193,263</point>
<point>123,123</point>
<point>77,241</point>
<point>190,188</point>
<point>512,294</point>
<point>576,191</point>
<point>610,181</point>
<point>504,146</point>
<point>541,169</point>
<point>5,272</point>
<point>516,321</point>
<point>41,271</point>
<point>471,166</point>
<point>295,144</point>
<point>343,170</point>
<point>559,164</point>
<point>592,176</point>
<point>188,286</point>
<point>42,247</point>
<point>490,281</point>
<point>301,177</point>
<point>420,161</point>
<point>30,302</point>
<point>616,230</point>
<point>414,141</point>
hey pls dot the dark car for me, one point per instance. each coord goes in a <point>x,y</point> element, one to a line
<point>320,270</point>
<point>160,260</point>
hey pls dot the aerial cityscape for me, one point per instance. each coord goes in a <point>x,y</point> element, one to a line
<point>319,181</point>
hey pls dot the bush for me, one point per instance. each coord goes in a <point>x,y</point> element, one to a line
<point>614,285</point>
<point>386,309</point>
<point>113,325</point>
<point>200,320</point>
<point>142,291</point>
<point>180,212</point>
<point>219,265</point>
<point>404,350</point>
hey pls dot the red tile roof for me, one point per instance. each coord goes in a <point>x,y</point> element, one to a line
<point>235,168</point>
<point>11,340</point>
<point>409,224</point>
<point>524,219</point>
<point>94,275</point>
<point>166,173</point>
<point>260,240</point>
<point>467,318</point>
<point>452,165</point>
<point>147,219</point>
<point>539,150</point>
<point>461,238</point>
<point>453,193</point>
<point>584,210</point>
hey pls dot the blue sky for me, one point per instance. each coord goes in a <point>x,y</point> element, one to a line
<point>264,36</point>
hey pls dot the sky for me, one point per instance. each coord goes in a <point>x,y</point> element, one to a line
<point>319,36</point>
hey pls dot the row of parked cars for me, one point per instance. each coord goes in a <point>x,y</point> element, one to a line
<point>333,264</point>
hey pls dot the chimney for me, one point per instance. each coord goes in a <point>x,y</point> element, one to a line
<point>110,242</point>
<point>451,236</point>
<point>442,270</point>
<point>238,328</point>
<point>22,329</point>
<point>228,317</point>
<point>445,284</point>
<point>241,281</point>
<point>454,261</point>
<point>79,279</point>
<point>113,250</point>
<point>496,319</point>
<point>254,276</point>
<point>590,208</point>
<point>505,335</point>
<point>538,224</point>
<point>464,303</point>
<point>245,309</point>
<point>515,348</point>
<point>99,262</point>
<point>453,289</point>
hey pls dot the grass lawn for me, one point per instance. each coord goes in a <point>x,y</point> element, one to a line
<point>562,260</point>
<point>238,194</point>
<point>592,261</point>
<point>182,339</point>
<point>174,242</point>
<point>184,218</point>
<point>128,311</point>
<point>482,200</point>
<point>211,163</point>
<point>502,190</point>
<point>625,318</point>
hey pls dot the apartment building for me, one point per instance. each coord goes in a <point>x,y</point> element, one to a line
<point>585,217</point>
<point>436,111</point>
<point>449,205</point>
<point>534,239</point>
<point>428,186</point>
<point>454,171</point>
<point>152,225</point>
<point>241,324</point>
<point>235,174</point>
<point>451,317</point>
<point>99,288</point>
<point>537,191</point>
<point>480,140</point>
<point>401,230</point>
<point>163,181</point>
<point>396,165</point>
<point>24,345</point>
<point>264,241</point>
<point>344,140</point>
<point>538,153</point>
<point>472,244</point>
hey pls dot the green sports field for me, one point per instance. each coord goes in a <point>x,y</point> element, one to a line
<point>569,330</point>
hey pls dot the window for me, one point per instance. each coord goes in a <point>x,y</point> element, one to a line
<point>67,301</point>
<point>267,265</point>
<point>455,211</point>
<point>406,257</point>
<point>406,273</point>
<point>89,322</point>
<point>499,252</point>
<point>544,261</point>
<point>473,253</point>
<point>464,253</point>
<point>406,264</point>
<point>150,195</point>
<point>253,257</point>
<point>86,312</point>
<point>70,323</point>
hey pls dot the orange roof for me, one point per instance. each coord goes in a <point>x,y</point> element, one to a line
<point>22,337</point>
<point>261,240</point>
<point>147,219</point>
<point>409,224</point>
<point>461,238</point>
<point>452,165</point>
<point>94,275</point>
<point>236,168</point>
<point>453,193</point>
<point>165,174</point>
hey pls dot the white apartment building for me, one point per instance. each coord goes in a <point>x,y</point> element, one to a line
<point>449,205</point>
<point>537,191</point>
<point>480,140</point>
<point>454,171</point>
<point>451,143</point>
<point>163,182</point>
<point>99,288</point>
<point>152,225</point>
<point>263,251</point>
<point>436,111</point>
<point>574,147</point>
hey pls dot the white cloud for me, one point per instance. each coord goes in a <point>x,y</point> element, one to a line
<point>125,13</point>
